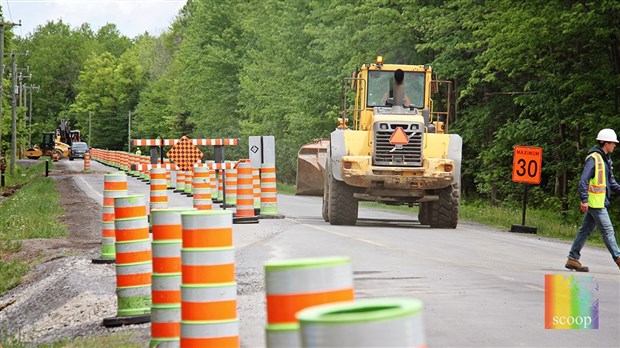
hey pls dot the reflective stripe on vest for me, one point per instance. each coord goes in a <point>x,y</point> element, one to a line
<point>597,188</point>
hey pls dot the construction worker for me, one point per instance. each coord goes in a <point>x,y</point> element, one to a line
<point>138,152</point>
<point>595,186</point>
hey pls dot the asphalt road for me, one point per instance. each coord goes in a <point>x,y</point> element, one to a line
<point>481,287</point>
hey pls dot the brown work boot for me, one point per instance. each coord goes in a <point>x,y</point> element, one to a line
<point>573,264</point>
<point>618,261</point>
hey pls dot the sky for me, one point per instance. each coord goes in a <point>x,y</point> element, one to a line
<point>132,17</point>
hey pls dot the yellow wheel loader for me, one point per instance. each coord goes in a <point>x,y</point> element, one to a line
<point>396,152</point>
<point>57,143</point>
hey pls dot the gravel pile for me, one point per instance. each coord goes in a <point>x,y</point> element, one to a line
<point>69,299</point>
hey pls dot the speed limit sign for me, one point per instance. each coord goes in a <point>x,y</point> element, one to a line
<point>527,164</point>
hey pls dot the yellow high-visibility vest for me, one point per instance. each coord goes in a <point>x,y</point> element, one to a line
<point>597,189</point>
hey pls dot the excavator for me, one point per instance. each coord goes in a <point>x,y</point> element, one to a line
<point>55,144</point>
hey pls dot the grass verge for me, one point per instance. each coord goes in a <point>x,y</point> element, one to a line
<point>124,340</point>
<point>31,212</point>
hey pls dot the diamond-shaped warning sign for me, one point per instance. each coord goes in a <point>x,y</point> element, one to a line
<point>399,137</point>
<point>184,154</point>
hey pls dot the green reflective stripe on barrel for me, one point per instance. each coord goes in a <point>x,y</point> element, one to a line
<point>133,305</point>
<point>393,322</point>
<point>108,249</point>
<point>306,262</point>
<point>282,335</point>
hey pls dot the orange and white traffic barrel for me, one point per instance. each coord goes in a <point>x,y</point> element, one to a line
<point>381,322</point>
<point>292,285</point>
<point>180,186</point>
<point>207,229</point>
<point>231,187</point>
<point>166,279</point>
<point>189,176</point>
<point>132,206</point>
<point>86,162</point>
<point>208,289</point>
<point>212,180</point>
<point>133,261</point>
<point>159,189</point>
<point>269,197</point>
<point>245,196</point>
<point>201,188</point>
<point>114,185</point>
<point>256,189</point>
<point>220,185</point>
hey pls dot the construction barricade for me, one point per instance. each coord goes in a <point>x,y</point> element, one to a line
<point>230,187</point>
<point>293,285</point>
<point>166,279</point>
<point>268,193</point>
<point>114,185</point>
<point>133,262</point>
<point>244,212</point>
<point>208,289</point>
<point>159,189</point>
<point>382,322</point>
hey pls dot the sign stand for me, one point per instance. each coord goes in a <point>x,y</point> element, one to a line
<point>523,228</point>
<point>526,168</point>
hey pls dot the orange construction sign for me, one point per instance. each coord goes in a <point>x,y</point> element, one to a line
<point>399,137</point>
<point>184,154</point>
<point>527,164</point>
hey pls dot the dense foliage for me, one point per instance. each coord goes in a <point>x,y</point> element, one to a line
<point>537,73</point>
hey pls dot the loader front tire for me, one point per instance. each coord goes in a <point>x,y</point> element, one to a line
<point>445,212</point>
<point>343,207</point>
<point>424,213</point>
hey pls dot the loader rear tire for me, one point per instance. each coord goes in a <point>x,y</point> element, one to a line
<point>325,205</point>
<point>343,207</point>
<point>445,212</point>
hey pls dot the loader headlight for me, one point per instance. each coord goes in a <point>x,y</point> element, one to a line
<point>383,126</point>
<point>447,168</point>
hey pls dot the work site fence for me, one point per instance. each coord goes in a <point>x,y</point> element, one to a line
<point>258,185</point>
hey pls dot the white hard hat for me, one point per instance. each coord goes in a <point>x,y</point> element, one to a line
<point>607,134</point>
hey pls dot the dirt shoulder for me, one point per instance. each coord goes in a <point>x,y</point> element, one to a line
<point>65,296</point>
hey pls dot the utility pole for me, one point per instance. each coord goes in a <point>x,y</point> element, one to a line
<point>129,133</point>
<point>2,25</point>
<point>32,86</point>
<point>14,114</point>
<point>89,124</point>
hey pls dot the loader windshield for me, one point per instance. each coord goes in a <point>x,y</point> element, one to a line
<point>380,88</point>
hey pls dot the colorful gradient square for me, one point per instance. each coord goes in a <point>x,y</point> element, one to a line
<point>571,303</point>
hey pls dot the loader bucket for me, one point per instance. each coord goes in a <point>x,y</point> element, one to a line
<point>310,167</point>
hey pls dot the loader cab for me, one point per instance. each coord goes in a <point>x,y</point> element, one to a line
<point>48,141</point>
<point>372,86</point>
<point>380,91</point>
